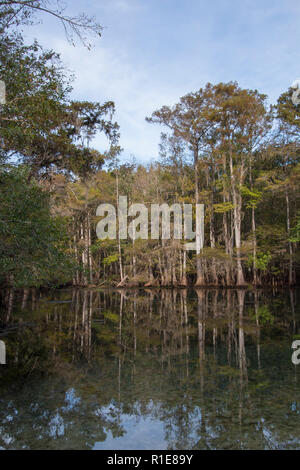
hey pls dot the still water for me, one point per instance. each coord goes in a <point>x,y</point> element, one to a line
<point>156,369</point>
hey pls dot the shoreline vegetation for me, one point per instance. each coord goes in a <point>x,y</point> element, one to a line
<point>222,146</point>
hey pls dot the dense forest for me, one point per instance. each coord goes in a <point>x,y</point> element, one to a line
<point>223,146</point>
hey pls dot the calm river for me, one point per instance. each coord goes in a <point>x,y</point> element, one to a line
<point>149,369</point>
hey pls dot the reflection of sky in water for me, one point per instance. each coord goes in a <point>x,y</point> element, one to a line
<point>56,424</point>
<point>71,400</point>
<point>144,433</point>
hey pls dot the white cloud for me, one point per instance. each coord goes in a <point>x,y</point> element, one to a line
<point>153,52</point>
<point>103,75</point>
<point>121,5</point>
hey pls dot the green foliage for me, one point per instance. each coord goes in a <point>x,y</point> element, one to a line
<point>111,259</point>
<point>39,122</point>
<point>33,244</point>
<point>261,261</point>
<point>263,315</point>
<point>222,207</point>
<point>113,317</point>
<point>253,197</point>
<point>44,132</point>
<point>296,231</point>
<point>287,112</point>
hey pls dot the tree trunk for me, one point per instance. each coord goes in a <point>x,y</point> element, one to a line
<point>118,233</point>
<point>288,225</point>
<point>200,277</point>
<point>237,213</point>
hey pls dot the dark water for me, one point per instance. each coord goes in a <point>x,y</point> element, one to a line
<point>150,370</point>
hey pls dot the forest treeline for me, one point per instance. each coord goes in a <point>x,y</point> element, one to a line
<point>223,146</point>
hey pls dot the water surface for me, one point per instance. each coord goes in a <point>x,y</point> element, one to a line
<point>163,369</point>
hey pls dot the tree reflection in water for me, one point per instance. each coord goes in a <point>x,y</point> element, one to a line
<point>157,369</point>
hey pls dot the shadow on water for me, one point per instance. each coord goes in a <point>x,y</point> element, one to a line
<point>165,369</point>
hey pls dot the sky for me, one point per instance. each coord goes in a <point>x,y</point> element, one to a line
<point>152,52</point>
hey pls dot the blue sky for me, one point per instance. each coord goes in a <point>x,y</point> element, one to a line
<point>154,51</point>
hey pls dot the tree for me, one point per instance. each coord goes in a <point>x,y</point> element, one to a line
<point>33,244</point>
<point>287,149</point>
<point>188,120</point>
<point>39,124</point>
<point>296,231</point>
<point>243,122</point>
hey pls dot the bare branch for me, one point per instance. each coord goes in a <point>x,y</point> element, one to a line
<point>19,11</point>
